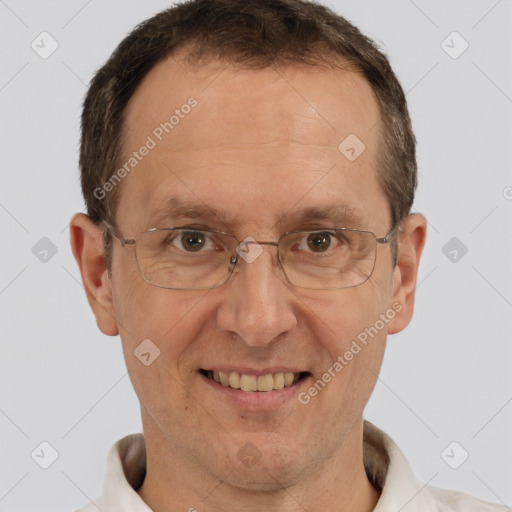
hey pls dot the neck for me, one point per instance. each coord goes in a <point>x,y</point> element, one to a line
<point>174,482</point>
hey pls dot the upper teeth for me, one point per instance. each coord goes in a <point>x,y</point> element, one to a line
<point>247,382</point>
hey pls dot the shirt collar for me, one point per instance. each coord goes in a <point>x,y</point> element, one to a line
<point>385,466</point>
<point>126,469</point>
<point>389,471</point>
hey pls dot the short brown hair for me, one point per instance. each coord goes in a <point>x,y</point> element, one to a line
<point>254,34</point>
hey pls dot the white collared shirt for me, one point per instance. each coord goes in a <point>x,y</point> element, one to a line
<point>385,466</point>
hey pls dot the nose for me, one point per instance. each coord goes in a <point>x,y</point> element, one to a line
<point>257,305</point>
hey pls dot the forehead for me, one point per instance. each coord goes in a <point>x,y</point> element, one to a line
<point>256,143</point>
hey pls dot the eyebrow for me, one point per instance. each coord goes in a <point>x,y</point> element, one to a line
<point>175,209</point>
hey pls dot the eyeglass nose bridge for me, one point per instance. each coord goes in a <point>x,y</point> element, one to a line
<point>239,252</point>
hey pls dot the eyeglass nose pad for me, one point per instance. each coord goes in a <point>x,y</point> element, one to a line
<point>233,261</point>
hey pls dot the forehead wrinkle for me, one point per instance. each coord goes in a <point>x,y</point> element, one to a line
<point>175,208</point>
<point>336,213</point>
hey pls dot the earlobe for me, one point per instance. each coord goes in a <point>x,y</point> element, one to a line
<point>87,244</point>
<point>411,241</point>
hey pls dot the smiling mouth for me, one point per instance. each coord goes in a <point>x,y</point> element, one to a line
<point>246,382</point>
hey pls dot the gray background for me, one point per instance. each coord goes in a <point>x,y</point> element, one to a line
<point>446,378</point>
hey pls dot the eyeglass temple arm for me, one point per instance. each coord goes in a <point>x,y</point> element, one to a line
<point>390,235</point>
<point>112,230</point>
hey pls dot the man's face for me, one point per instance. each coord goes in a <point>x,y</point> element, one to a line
<point>258,147</point>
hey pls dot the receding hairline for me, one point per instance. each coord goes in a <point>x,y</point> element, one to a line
<point>194,61</point>
<point>210,61</point>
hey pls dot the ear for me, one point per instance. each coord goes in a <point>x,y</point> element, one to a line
<point>87,245</point>
<point>411,241</point>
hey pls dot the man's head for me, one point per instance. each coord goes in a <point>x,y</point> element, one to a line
<point>258,119</point>
<point>251,35</point>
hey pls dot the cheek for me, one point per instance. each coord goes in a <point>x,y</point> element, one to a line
<point>350,315</point>
<point>359,349</point>
<point>159,332</point>
<point>353,337</point>
<point>168,318</point>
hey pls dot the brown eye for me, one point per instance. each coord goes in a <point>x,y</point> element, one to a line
<point>193,241</point>
<point>319,242</point>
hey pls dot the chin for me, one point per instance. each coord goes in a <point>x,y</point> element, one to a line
<point>266,462</point>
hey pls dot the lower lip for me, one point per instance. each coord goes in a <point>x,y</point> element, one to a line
<point>256,400</point>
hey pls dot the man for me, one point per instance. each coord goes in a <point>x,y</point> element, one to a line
<point>249,170</point>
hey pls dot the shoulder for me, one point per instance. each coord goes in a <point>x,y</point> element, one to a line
<point>389,471</point>
<point>455,501</point>
<point>124,474</point>
<point>93,506</point>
